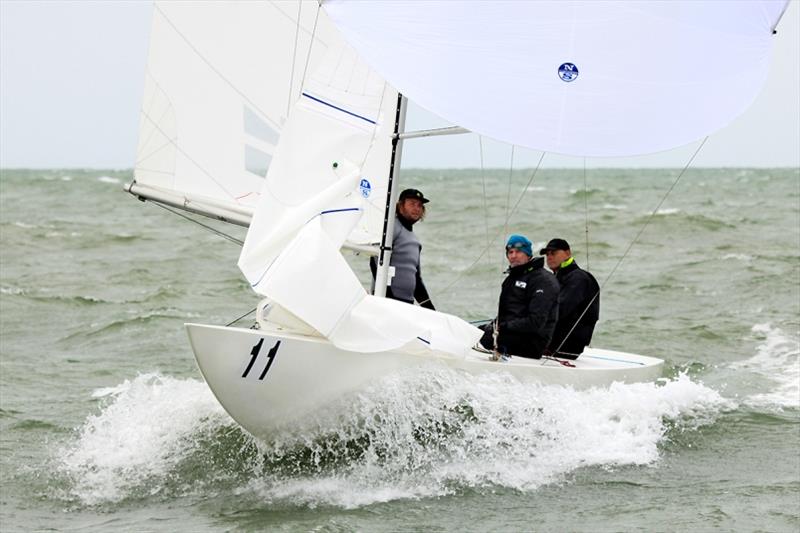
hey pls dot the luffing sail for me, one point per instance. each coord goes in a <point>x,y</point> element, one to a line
<point>332,159</point>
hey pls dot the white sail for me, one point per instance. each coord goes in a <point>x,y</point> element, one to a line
<point>221,78</point>
<point>591,78</point>
<point>334,153</point>
<point>332,159</point>
<point>311,280</point>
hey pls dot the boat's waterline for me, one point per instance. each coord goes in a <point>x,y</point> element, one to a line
<point>266,378</point>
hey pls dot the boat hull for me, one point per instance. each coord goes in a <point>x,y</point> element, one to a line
<point>267,378</point>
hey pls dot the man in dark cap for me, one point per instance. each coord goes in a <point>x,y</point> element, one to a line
<point>578,301</point>
<point>406,285</point>
<point>528,308</point>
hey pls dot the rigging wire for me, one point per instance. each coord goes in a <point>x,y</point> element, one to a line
<point>171,140</point>
<point>190,219</point>
<point>485,208</point>
<point>229,324</point>
<point>586,211</point>
<point>214,68</point>
<point>508,194</point>
<point>294,56</point>
<point>483,183</point>
<point>485,249</point>
<point>310,46</point>
<point>213,230</point>
<point>634,241</point>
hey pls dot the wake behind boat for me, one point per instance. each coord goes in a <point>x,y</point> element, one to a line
<point>263,115</point>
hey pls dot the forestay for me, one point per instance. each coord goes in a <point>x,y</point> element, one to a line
<point>584,78</point>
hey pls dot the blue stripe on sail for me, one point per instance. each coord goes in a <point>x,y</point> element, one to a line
<point>338,108</point>
<point>340,210</point>
<point>615,360</point>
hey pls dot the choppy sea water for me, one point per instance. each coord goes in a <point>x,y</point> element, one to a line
<point>106,423</point>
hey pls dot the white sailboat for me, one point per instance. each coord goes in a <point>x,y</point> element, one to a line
<point>279,116</point>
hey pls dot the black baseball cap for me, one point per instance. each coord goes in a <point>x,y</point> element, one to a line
<point>555,244</point>
<point>413,193</point>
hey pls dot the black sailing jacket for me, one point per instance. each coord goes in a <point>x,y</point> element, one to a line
<point>578,287</point>
<point>528,309</point>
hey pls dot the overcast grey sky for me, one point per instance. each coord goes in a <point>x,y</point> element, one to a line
<point>71,78</point>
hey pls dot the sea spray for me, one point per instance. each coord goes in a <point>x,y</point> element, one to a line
<point>148,425</point>
<point>777,358</point>
<point>422,433</point>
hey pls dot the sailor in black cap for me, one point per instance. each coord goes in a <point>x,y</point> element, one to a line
<point>578,301</point>
<point>406,284</point>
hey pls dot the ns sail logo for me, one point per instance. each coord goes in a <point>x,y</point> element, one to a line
<point>366,188</point>
<point>568,72</point>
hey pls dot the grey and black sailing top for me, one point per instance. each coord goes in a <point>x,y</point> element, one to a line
<point>406,284</point>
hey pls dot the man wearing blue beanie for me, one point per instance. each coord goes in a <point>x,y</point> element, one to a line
<point>528,307</point>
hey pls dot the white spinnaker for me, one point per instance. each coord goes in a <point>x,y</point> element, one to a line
<point>338,137</point>
<point>652,75</point>
<point>221,78</point>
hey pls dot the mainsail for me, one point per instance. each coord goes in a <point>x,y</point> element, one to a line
<point>221,79</point>
<point>586,78</point>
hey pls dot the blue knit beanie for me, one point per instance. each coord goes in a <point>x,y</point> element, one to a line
<point>521,243</point>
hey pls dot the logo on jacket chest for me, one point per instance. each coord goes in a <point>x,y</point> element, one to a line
<point>521,284</point>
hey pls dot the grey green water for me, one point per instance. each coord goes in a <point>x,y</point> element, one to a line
<point>107,424</point>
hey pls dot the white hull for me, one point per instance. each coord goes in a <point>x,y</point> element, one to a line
<point>266,378</point>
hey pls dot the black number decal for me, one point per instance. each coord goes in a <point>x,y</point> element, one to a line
<point>254,353</point>
<point>270,358</point>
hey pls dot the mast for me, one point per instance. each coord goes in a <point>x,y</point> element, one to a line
<point>382,276</point>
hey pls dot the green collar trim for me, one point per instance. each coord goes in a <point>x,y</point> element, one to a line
<point>567,263</point>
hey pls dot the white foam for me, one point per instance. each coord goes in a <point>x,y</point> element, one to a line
<point>668,211</point>
<point>143,431</point>
<point>417,434</point>
<point>430,434</point>
<point>737,257</point>
<point>16,291</point>
<point>616,207</point>
<point>109,179</point>
<point>777,357</point>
